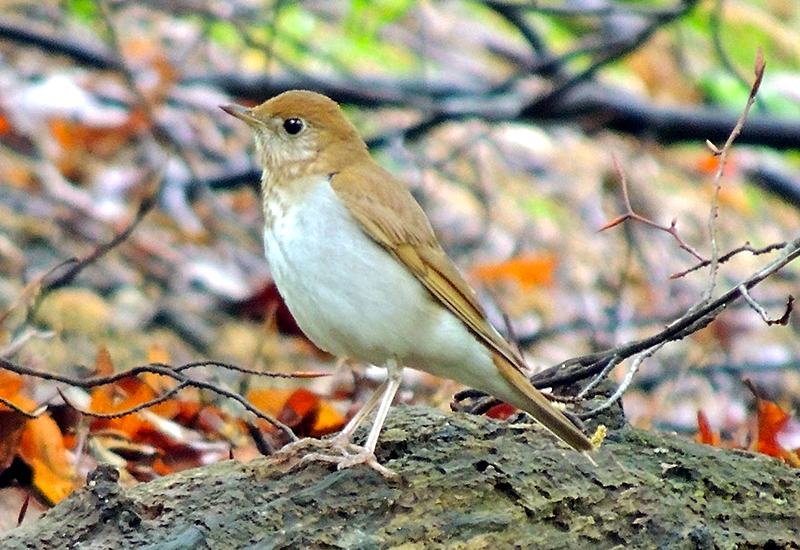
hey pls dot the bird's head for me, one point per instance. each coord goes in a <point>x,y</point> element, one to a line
<point>301,132</point>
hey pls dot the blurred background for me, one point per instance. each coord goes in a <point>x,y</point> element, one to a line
<point>503,117</point>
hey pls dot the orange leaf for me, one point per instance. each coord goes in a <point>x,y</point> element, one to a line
<point>12,423</point>
<point>709,164</point>
<point>161,468</point>
<point>199,416</point>
<point>157,354</point>
<point>42,448</point>
<point>706,435</point>
<point>160,384</point>
<point>50,483</point>
<point>328,421</point>
<point>771,420</point>
<point>736,198</point>
<point>269,401</point>
<point>62,133</point>
<point>168,409</point>
<point>10,384</point>
<point>131,425</point>
<point>299,408</point>
<point>527,270</point>
<point>125,387</point>
<point>5,127</point>
<point>101,402</point>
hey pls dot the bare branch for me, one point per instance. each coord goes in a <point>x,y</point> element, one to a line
<point>624,385</point>
<point>723,154</point>
<point>155,368</point>
<point>236,368</point>
<point>580,368</point>
<point>631,215</point>
<point>33,289</point>
<point>119,414</point>
<point>746,247</point>
<point>36,413</point>
<point>53,281</point>
<point>782,320</point>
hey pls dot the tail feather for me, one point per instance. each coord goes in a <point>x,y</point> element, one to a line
<point>536,404</point>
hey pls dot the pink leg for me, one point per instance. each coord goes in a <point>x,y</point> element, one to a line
<point>366,454</point>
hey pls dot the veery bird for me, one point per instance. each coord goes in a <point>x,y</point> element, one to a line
<point>357,263</point>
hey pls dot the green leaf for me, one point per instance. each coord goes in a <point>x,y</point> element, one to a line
<point>84,10</point>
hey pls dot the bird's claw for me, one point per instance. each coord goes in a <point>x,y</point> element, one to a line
<point>343,454</point>
<point>346,459</point>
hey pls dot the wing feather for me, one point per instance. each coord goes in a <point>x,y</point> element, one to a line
<point>391,217</point>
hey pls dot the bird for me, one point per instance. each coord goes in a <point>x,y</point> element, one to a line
<point>357,262</point>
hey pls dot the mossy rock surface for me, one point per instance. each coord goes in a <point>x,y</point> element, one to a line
<point>463,482</point>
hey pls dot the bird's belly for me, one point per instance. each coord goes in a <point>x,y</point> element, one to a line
<point>353,299</point>
<point>347,294</point>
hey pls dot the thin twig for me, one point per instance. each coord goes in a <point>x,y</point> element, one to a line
<point>53,281</point>
<point>155,368</point>
<point>782,320</point>
<point>34,288</point>
<point>612,363</point>
<point>624,385</point>
<point>36,413</point>
<point>229,366</point>
<point>746,247</point>
<point>723,159</point>
<point>580,368</point>
<point>715,24</point>
<point>119,414</point>
<point>26,336</point>
<point>631,215</point>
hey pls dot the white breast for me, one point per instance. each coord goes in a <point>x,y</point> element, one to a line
<point>353,299</point>
<point>346,293</point>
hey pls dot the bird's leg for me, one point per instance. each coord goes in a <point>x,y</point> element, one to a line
<point>342,439</point>
<point>366,454</point>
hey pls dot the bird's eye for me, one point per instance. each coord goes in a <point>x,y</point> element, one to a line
<point>293,126</point>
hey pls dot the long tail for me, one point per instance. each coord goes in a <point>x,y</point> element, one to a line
<point>532,401</point>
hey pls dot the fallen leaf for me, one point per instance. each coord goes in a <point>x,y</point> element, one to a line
<point>42,448</point>
<point>706,435</point>
<point>501,411</point>
<point>771,422</point>
<point>527,270</point>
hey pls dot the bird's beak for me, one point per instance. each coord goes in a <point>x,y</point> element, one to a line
<point>242,113</point>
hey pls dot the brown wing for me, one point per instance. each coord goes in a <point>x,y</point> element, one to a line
<point>390,216</point>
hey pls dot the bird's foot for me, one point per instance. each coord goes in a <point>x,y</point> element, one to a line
<point>344,458</point>
<point>342,453</point>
